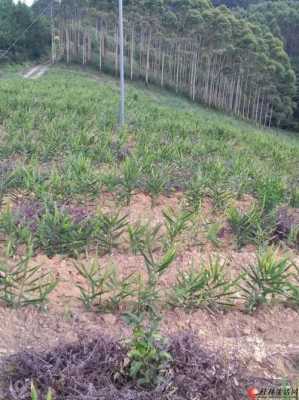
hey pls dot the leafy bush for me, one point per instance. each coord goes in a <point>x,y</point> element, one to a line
<point>245,225</point>
<point>77,176</point>
<point>103,289</point>
<point>148,358</point>
<point>270,192</point>
<point>213,233</point>
<point>22,285</point>
<point>221,196</point>
<point>95,283</point>
<point>63,231</point>
<point>129,179</point>
<point>108,230</point>
<point>147,353</point>
<point>176,224</point>
<point>14,234</point>
<point>155,184</point>
<point>143,236</point>
<point>194,195</point>
<point>121,289</point>
<point>205,286</point>
<point>265,280</point>
<point>54,228</point>
<point>136,234</point>
<point>242,175</point>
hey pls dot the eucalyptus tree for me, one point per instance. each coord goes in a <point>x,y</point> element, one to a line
<point>15,37</point>
<point>211,54</point>
<point>281,18</point>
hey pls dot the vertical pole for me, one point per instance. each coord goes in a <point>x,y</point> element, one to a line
<point>53,34</point>
<point>121,65</point>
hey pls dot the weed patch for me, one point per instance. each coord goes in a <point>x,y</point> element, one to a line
<point>95,369</point>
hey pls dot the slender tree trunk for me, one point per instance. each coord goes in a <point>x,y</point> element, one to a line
<point>132,52</point>
<point>162,69</point>
<point>67,45</point>
<point>147,70</point>
<point>271,115</point>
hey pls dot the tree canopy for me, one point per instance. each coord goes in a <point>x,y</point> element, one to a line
<point>248,47</point>
<point>14,19</point>
<point>230,48</point>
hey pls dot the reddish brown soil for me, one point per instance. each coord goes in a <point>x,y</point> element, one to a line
<point>267,342</point>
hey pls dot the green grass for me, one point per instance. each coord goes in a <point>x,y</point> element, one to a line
<point>60,148</point>
<point>10,71</point>
<point>60,142</point>
<point>70,119</point>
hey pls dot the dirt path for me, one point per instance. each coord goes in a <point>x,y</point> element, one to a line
<point>36,72</point>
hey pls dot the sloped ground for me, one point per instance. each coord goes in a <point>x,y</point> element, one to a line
<point>262,345</point>
<point>36,72</point>
<point>265,344</point>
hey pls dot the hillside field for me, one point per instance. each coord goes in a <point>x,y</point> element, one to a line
<point>199,203</point>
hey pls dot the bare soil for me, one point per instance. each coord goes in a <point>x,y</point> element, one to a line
<point>266,343</point>
<point>35,72</point>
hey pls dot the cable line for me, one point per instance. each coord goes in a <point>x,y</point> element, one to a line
<point>25,30</point>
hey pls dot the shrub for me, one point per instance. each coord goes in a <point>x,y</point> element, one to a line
<point>14,234</point>
<point>77,176</point>
<point>245,225</point>
<point>63,231</point>
<point>147,353</point>
<point>54,228</point>
<point>129,179</point>
<point>155,183</point>
<point>176,224</point>
<point>203,287</point>
<point>220,195</point>
<point>194,195</point>
<point>95,283</point>
<point>213,233</point>
<point>265,280</point>
<point>22,285</point>
<point>108,230</point>
<point>148,358</point>
<point>270,192</point>
<point>143,236</point>
<point>103,289</point>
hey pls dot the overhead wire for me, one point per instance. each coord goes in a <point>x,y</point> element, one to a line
<point>26,30</point>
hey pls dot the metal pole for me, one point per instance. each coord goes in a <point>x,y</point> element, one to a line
<point>52,35</point>
<point>121,65</point>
